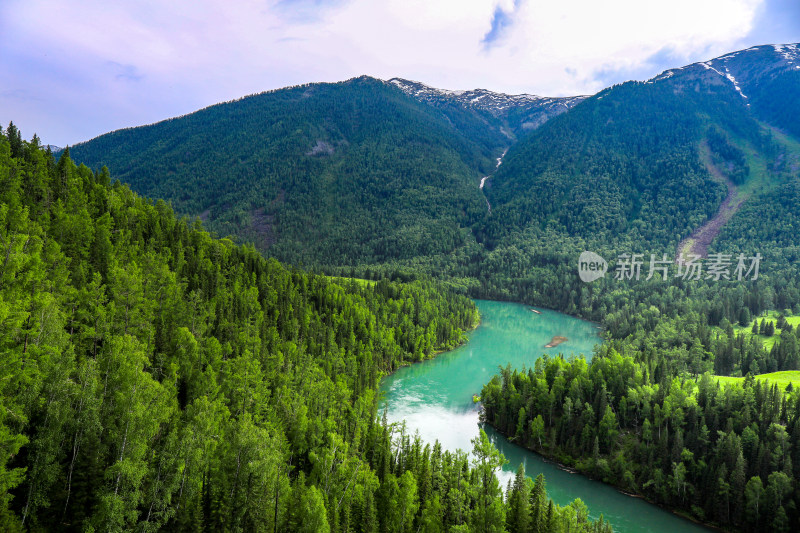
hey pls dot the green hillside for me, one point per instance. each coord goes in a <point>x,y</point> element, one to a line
<point>154,378</point>
<point>621,167</point>
<point>346,173</point>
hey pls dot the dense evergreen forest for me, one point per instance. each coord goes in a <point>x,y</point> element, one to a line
<point>629,170</point>
<point>154,377</point>
<point>728,455</point>
<point>360,179</point>
<point>344,173</point>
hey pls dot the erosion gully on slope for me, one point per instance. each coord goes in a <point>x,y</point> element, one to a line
<point>698,242</point>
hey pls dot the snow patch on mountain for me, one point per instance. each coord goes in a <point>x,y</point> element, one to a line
<point>788,51</point>
<point>667,74</point>
<point>729,56</point>
<point>495,103</point>
<point>733,81</point>
<point>727,75</point>
<point>708,66</point>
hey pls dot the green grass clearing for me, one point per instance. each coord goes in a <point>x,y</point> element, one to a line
<point>359,281</point>
<point>782,379</point>
<point>771,316</point>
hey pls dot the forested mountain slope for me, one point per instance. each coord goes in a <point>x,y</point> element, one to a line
<point>153,377</point>
<point>346,173</point>
<point>358,172</point>
<point>624,172</point>
<point>766,77</point>
<point>625,166</point>
<point>391,186</point>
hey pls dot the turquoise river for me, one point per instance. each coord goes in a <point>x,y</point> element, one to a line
<point>435,399</point>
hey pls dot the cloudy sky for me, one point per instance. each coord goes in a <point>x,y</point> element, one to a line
<point>71,70</point>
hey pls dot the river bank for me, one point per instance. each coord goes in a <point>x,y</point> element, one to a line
<point>464,340</point>
<point>559,463</point>
<point>435,400</point>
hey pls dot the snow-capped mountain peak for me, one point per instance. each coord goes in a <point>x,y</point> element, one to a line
<point>530,111</point>
<point>743,68</point>
<point>495,103</point>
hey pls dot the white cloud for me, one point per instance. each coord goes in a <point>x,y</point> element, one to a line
<point>590,37</point>
<point>544,39</point>
<point>122,63</point>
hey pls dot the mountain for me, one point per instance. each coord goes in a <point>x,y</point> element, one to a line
<point>643,167</point>
<point>358,172</point>
<point>634,162</point>
<point>518,113</point>
<point>344,173</point>
<point>383,175</point>
<point>157,379</point>
<point>766,77</point>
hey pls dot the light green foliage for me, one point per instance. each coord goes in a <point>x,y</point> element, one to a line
<point>781,379</point>
<point>489,515</point>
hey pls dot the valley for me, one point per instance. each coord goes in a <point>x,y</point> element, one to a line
<point>432,400</point>
<point>310,309</point>
<point>483,179</point>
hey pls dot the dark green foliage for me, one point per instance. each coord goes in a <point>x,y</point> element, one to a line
<point>744,317</point>
<point>625,158</point>
<point>682,442</point>
<point>774,99</point>
<point>391,188</point>
<point>325,174</point>
<point>155,378</point>
<point>727,157</point>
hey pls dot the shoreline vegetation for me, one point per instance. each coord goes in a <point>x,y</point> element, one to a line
<point>558,462</point>
<point>606,420</point>
<point>435,353</point>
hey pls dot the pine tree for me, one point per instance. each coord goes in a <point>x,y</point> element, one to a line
<point>518,514</point>
<point>744,317</point>
<point>489,514</point>
<point>538,505</point>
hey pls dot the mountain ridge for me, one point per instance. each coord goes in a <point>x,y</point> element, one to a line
<point>487,99</point>
<point>385,174</point>
<point>788,51</point>
<point>761,75</point>
<point>525,111</point>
